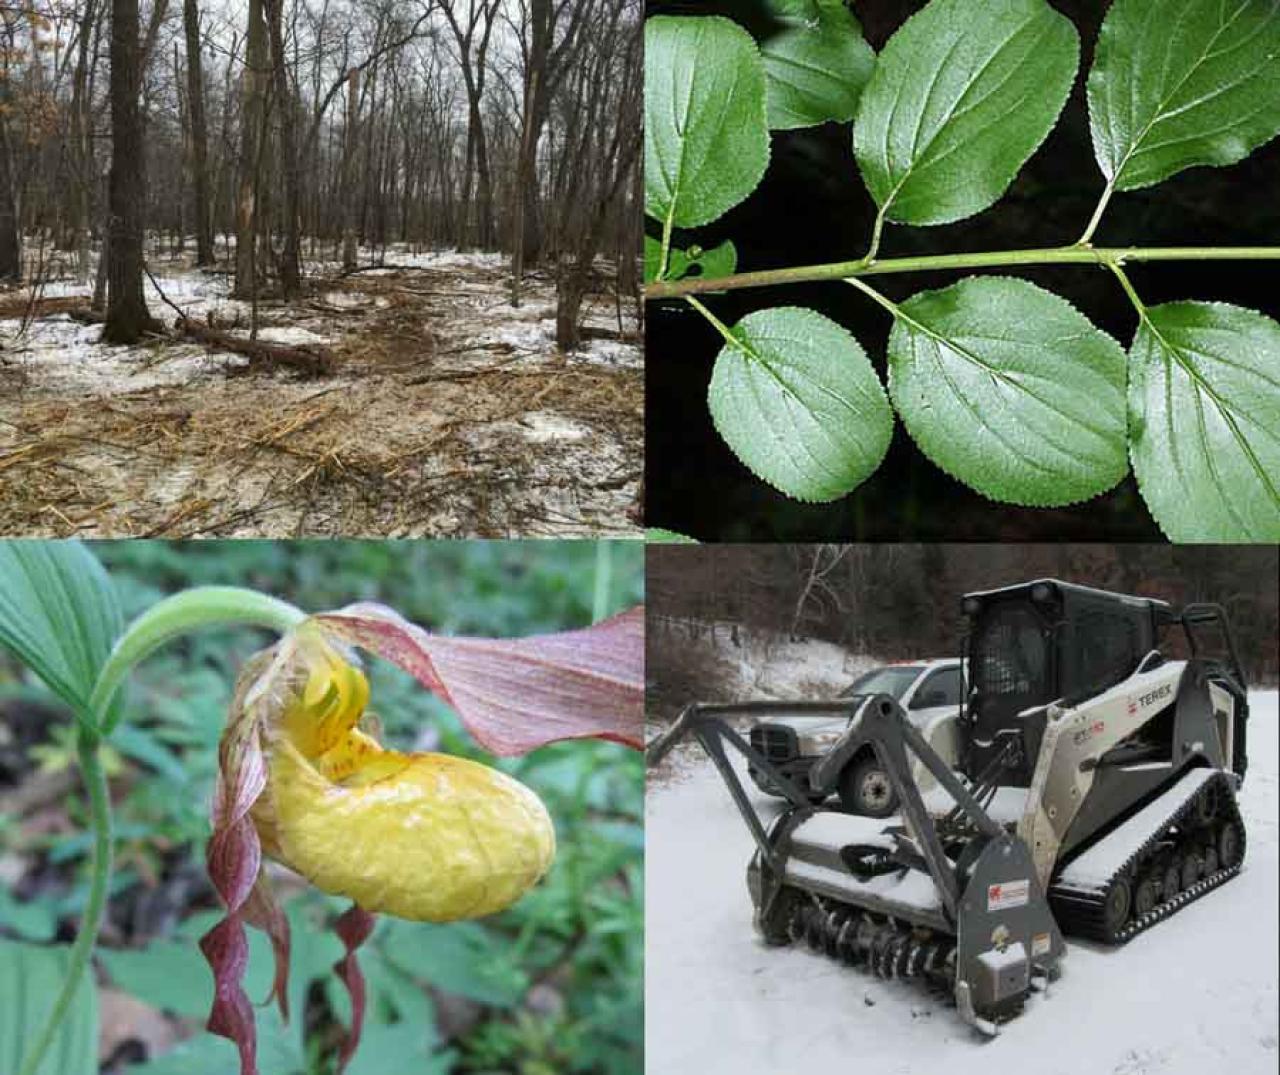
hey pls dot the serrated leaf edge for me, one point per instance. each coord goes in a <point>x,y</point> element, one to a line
<point>1018,502</point>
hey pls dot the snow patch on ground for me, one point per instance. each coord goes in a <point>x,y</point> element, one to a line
<point>66,356</point>
<point>1196,994</point>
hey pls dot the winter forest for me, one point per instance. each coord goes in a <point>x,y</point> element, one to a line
<point>319,266</point>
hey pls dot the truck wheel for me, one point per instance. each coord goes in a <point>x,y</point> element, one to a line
<point>865,788</point>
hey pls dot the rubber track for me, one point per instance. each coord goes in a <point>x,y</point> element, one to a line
<point>1083,914</point>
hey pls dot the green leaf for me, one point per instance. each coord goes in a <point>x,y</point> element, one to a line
<point>1011,390</point>
<point>58,615</point>
<point>796,399</point>
<point>403,1047</point>
<point>655,535</point>
<point>34,920</point>
<point>1183,83</point>
<point>278,1053</point>
<point>30,978</point>
<point>816,65</point>
<point>961,96</point>
<point>168,975</point>
<point>460,958</point>
<point>1204,421</point>
<point>706,143</point>
<point>718,261</point>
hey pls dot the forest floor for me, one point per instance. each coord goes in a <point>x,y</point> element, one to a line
<point>447,412</point>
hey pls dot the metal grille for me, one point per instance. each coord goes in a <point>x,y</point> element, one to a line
<point>776,742</point>
<point>1011,655</point>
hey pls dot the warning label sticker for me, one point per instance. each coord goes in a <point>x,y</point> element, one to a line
<point>1040,944</point>
<point>1008,894</point>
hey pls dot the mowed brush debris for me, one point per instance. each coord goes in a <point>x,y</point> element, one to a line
<point>408,398</point>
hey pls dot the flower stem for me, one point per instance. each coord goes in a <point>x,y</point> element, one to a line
<point>603,581</point>
<point>95,780</point>
<point>203,606</point>
<point>1058,255</point>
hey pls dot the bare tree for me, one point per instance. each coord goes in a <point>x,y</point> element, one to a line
<point>201,210</point>
<point>127,316</point>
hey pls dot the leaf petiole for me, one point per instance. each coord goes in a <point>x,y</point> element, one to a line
<point>1129,289</point>
<point>1096,219</point>
<point>720,326</point>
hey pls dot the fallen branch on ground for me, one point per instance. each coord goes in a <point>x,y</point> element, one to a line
<point>312,361</point>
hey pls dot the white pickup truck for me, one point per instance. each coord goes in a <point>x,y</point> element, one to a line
<point>927,690</point>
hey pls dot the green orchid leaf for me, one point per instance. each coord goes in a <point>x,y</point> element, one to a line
<point>1183,83</point>
<point>796,399</point>
<point>816,65</point>
<point>1011,390</point>
<point>30,978</point>
<point>59,615</point>
<point>961,96</point>
<point>1204,421</point>
<point>706,143</point>
<point>656,535</point>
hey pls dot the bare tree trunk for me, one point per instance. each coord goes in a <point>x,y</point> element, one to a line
<point>291,257</point>
<point>81,148</point>
<point>253,95</point>
<point>199,134</point>
<point>127,316</point>
<point>10,233</point>
<point>349,143</point>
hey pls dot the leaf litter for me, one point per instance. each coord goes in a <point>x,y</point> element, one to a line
<point>448,412</point>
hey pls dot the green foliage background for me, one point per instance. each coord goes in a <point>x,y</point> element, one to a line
<point>553,984</point>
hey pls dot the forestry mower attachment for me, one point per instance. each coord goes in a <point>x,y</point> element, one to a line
<point>956,905</point>
<point>1091,790</point>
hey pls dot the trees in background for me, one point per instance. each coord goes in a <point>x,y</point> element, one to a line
<point>903,601</point>
<point>286,130</point>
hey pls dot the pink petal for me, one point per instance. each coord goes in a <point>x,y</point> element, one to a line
<point>262,910</point>
<point>517,694</point>
<point>353,928</point>
<point>234,860</point>
<point>227,951</point>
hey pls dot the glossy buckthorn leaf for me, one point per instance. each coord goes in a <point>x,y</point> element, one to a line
<point>706,143</point>
<point>816,63</point>
<point>961,96</point>
<point>796,399</point>
<point>1204,421</point>
<point>1010,389</point>
<point>1183,83</point>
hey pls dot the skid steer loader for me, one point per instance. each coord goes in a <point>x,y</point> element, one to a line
<point>1088,788</point>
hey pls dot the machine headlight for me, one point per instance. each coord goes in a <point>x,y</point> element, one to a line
<point>819,742</point>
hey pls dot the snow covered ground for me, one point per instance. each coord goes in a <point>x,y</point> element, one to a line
<point>1197,994</point>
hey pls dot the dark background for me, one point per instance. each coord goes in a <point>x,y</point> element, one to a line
<point>812,207</point>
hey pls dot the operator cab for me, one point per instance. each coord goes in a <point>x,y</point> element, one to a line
<point>1041,642</point>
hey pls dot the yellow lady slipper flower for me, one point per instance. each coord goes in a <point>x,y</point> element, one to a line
<point>430,837</point>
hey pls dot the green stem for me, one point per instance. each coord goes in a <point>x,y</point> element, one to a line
<point>1129,289</point>
<point>1058,255</point>
<point>82,950</point>
<point>603,581</point>
<point>719,325</point>
<point>871,292</point>
<point>204,606</point>
<point>1096,219</point>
